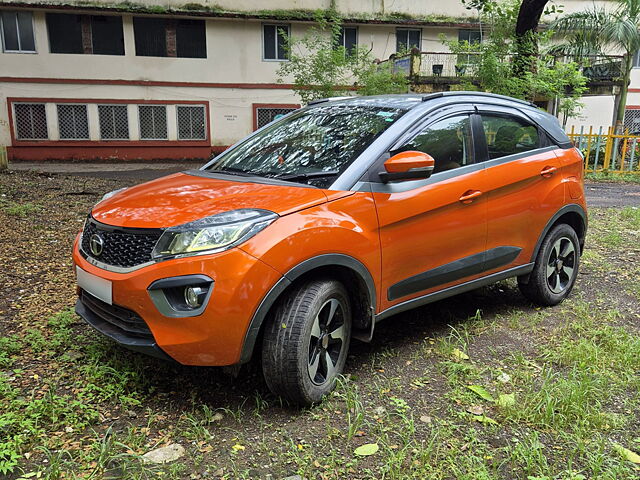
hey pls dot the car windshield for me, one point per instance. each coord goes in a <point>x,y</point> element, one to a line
<point>311,146</point>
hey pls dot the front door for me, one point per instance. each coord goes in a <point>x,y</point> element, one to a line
<point>433,232</point>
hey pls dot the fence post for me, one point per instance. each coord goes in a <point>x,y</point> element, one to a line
<point>4,159</point>
<point>608,149</point>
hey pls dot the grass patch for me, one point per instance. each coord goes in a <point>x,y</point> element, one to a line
<point>611,177</point>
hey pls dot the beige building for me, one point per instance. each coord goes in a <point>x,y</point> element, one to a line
<point>164,79</point>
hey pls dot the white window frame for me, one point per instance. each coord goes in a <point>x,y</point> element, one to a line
<point>419,30</point>
<point>204,117</point>
<point>344,37</point>
<point>15,122</point>
<point>77,139</point>
<point>100,125</point>
<point>33,31</point>
<point>277,25</point>
<point>166,119</point>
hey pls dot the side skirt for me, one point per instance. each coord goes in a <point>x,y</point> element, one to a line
<point>455,290</point>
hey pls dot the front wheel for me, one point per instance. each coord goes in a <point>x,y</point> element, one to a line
<point>305,344</point>
<point>556,268</point>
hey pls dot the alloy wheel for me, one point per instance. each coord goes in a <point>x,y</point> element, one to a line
<point>327,342</point>
<point>561,265</point>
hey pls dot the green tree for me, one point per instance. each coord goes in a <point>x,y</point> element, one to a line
<point>598,30</point>
<point>321,67</point>
<point>495,61</point>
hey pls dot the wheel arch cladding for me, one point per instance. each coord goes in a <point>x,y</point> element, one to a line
<point>356,278</point>
<point>573,215</point>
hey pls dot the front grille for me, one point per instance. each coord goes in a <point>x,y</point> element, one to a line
<point>122,247</point>
<point>126,321</point>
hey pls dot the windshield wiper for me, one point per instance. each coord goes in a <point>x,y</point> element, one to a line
<point>307,176</point>
<point>235,171</point>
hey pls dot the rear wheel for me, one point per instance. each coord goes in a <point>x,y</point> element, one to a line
<point>306,343</point>
<point>556,268</point>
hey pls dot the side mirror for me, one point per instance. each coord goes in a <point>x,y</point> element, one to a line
<point>409,165</point>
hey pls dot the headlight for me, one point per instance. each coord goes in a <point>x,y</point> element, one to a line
<point>111,194</point>
<point>217,232</point>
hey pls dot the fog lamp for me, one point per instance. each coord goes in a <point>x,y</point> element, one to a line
<point>194,296</point>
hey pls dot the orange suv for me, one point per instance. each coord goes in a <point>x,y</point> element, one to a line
<point>311,230</point>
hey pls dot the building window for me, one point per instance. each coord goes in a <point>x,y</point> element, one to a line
<point>73,123</point>
<point>65,33</point>
<point>89,34</point>
<point>17,31</point>
<point>348,38</point>
<point>274,42</point>
<point>191,122</point>
<point>472,36</point>
<point>150,37</point>
<point>106,35</point>
<point>114,122</point>
<point>636,59</point>
<point>160,37</point>
<point>264,115</point>
<point>30,121</point>
<point>153,122</point>
<point>191,39</point>
<point>407,38</point>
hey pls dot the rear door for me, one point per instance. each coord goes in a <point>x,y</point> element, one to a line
<point>433,232</point>
<point>524,181</point>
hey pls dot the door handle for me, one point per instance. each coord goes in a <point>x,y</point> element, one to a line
<point>469,196</point>
<point>548,171</point>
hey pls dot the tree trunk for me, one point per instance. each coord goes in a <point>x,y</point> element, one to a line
<point>526,42</point>
<point>624,90</point>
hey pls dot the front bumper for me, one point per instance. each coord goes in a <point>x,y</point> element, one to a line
<point>148,346</point>
<point>214,337</point>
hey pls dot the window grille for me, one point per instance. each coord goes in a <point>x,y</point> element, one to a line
<point>17,31</point>
<point>191,122</point>
<point>73,123</point>
<point>153,122</point>
<point>114,122</point>
<point>268,115</point>
<point>632,121</point>
<point>30,121</point>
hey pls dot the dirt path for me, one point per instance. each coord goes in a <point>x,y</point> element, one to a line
<point>613,194</point>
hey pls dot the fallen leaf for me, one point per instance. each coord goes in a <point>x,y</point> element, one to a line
<point>506,399</point>
<point>627,454</point>
<point>425,419</point>
<point>484,419</point>
<point>367,449</point>
<point>459,354</point>
<point>476,409</point>
<point>237,447</point>
<point>481,392</point>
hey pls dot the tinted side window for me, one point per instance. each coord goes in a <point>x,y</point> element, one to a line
<point>448,141</point>
<point>509,135</point>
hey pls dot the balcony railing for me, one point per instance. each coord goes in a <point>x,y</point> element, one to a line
<point>428,66</point>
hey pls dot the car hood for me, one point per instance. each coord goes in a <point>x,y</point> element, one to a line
<point>182,198</point>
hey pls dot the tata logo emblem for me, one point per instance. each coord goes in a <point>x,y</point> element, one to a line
<point>96,244</point>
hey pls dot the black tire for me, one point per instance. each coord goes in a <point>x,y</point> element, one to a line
<point>556,268</point>
<point>292,346</point>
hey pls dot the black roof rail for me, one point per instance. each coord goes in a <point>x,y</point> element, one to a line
<point>432,96</point>
<point>329,99</point>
